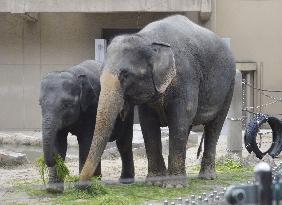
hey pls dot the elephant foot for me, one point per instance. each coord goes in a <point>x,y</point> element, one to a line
<point>126,180</point>
<point>55,185</point>
<point>154,182</point>
<point>55,188</point>
<point>207,173</point>
<point>156,179</point>
<point>161,179</point>
<point>177,185</point>
<point>175,182</point>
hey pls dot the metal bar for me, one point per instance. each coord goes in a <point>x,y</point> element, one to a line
<point>263,177</point>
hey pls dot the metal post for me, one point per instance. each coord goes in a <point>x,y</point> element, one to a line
<point>263,177</point>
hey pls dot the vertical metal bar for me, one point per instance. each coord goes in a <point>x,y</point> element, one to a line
<point>249,94</point>
<point>263,177</point>
<point>261,86</point>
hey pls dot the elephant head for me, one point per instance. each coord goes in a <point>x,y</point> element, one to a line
<point>136,71</point>
<point>63,96</point>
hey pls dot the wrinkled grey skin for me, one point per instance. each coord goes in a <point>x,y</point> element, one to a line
<point>180,75</point>
<point>69,102</point>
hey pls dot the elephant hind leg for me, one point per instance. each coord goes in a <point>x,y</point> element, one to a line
<point>84,141</point>
<point>211,134</point>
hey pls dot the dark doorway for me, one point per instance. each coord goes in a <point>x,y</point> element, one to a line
<point>110,33</point>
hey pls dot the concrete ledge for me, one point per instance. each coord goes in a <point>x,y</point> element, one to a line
<point>33,140</point>
<point>8,158</point>
<point>19,139</point>
<point>22,6</point>
<point>246,66</point>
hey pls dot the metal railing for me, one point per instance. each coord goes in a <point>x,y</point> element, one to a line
<point>265,190</point>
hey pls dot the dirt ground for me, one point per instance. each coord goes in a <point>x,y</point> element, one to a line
<point>111,167</point>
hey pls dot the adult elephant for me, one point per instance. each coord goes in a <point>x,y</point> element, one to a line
<point>180,75</point>
<point>69,102</point>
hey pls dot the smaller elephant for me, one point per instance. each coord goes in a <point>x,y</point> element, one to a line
<point>69,101</point>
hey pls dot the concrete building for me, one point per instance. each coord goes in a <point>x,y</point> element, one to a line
<point>39,36</point>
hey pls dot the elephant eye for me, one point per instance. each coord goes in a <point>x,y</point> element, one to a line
<point>124,73</point>
<point>67,104</point>
<point>123,76</point>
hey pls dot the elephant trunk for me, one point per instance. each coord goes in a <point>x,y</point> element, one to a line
<point>48,135</point>
<point>110,104</point>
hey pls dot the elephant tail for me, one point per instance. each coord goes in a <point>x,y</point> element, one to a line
<point>200,146</point>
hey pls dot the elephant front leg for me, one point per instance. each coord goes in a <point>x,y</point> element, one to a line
<point>125,150</point>
<point>55,184</point>
<point>179,121</point>
<point>177,176</point>
<point>150,126</point>
<point>124,137</point>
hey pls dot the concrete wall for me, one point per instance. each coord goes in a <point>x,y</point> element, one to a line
<point>57,41</point>
<point>256,36</point>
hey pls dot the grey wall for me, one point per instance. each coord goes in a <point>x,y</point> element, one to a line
<point>57,41</point>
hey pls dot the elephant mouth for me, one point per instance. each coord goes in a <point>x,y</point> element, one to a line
<point>141,98</point>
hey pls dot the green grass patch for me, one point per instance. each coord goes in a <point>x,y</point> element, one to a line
<point>229,172</point>
<point>230,165</point>
<point>227,164</point>
<point>61,168</point>
<point>137,193</point>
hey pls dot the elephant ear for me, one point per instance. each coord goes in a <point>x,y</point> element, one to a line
<point>163,66</point>
<point>87,93</point>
